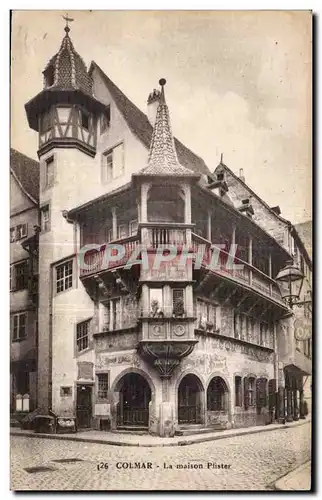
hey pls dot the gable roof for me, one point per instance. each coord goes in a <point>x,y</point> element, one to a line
<point>139,124</point>
<point>26,172</point>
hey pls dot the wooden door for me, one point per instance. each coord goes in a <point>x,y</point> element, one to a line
<point>84,406</point>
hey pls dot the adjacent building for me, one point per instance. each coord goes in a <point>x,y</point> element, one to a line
<point>197,335</point>
<point>24,213</point>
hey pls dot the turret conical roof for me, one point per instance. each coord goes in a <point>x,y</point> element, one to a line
<point>68,69</point>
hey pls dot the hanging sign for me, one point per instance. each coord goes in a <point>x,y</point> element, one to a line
<point>302,329</point>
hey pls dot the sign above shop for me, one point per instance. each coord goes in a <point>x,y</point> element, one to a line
<point>302,329</point>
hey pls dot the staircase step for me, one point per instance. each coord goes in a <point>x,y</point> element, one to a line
<point>199,430</point>
<point>135,429</point>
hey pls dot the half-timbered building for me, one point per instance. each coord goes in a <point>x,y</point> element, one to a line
<point>192,337</point>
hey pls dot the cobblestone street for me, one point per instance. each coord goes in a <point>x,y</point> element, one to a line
<point>253,462</point>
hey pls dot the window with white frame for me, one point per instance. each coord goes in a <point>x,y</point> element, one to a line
<point>21,231</point>
<point>64,276</point>
<point>82,335</point>
<point>20,277</point>
<point>105,119</point>
<point>156,302</point>
<point>19,326</point>
<point>107,167</point>
<point>45,218</point>
<point>113,163</point>
<point>102,385</point>
<point>49,171</point>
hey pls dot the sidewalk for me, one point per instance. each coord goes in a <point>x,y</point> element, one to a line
<point>297,480</point>
<point>119,439</point>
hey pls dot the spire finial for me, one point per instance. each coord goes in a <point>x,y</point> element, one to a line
<point>162,82</point>
<point>68,20</point>
<point>221,157</point>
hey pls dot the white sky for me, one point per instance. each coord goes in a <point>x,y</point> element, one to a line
<point>237,83</point>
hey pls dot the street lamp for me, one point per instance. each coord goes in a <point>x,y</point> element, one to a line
<point>290,281</point>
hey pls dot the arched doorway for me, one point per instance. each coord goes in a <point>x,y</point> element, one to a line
<point>133,406</point>
<point>217,403</point>
<point>217,395</point>
<point>190,394</point>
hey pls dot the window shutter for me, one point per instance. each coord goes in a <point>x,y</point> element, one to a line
<point>246,393</point>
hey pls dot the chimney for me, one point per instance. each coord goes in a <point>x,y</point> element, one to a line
<point>153,103</point>
<point>241,174</point>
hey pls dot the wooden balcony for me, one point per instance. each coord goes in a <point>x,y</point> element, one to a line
<point>247,275</point>
<point>96,261</point>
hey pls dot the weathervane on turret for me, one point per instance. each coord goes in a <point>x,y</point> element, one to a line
<point>68,20</point>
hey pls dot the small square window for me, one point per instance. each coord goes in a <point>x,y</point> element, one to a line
<point>66,392</point>
<point>102,385</point>
<point>64,276</point>
<point>45,218</point>
<point>82,334</point>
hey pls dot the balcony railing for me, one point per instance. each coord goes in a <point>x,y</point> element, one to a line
<point>246,274</point>
<point>96,261</point>
<point>154,235</point>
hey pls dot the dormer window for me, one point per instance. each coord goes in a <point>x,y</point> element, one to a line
<point>49,76</point>
<point>220,176</point>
